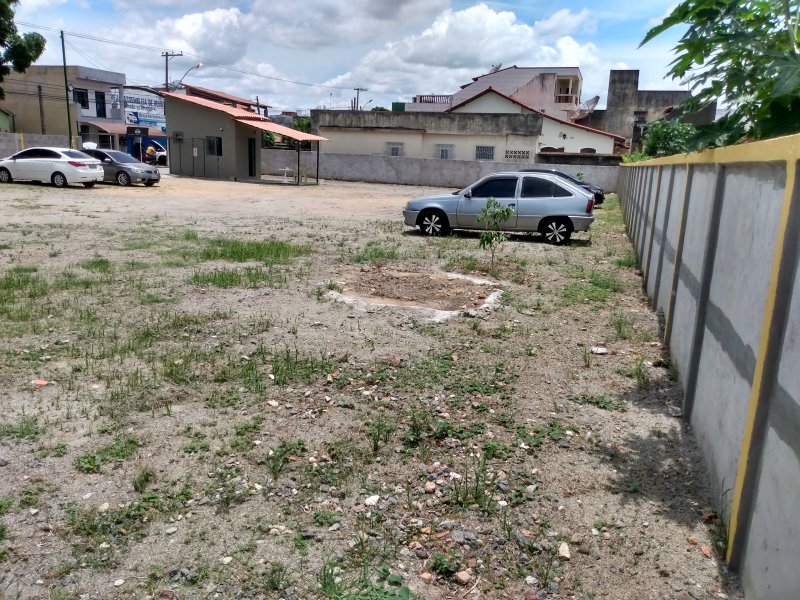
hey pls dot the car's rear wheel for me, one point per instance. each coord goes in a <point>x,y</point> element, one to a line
<point>433,222</point>
<point>162,161</point>
<point>123,178</point>
<point>59,180</point>
<point>150,183</point>
<point>89,184</point>
<point>5,176</point>
<point>556,231</point>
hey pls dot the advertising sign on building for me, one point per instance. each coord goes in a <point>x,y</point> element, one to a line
<point>142,108</point>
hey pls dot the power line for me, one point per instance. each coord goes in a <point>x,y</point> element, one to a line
<point>201,58</point>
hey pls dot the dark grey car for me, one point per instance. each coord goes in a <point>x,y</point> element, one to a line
<point>123,168</point>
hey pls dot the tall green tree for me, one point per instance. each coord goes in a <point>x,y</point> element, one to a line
<point>745,54</point>
<point>664,138</point>
<point>17,52</point>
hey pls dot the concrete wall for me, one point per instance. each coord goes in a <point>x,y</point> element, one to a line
<point>716,234</point>
<point>416,171</point>
<point>14,142</point>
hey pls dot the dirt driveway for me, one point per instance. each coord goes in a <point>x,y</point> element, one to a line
<point>226,390</point>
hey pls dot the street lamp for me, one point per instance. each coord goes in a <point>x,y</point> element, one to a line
<point>189,70</point>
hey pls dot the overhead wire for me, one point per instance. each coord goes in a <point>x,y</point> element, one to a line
<point>198,57</point>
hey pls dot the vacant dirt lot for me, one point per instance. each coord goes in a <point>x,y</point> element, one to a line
<point>222,390</point>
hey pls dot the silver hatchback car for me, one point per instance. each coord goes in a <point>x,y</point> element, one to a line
<point>123,168</point>
<point>542,203</point>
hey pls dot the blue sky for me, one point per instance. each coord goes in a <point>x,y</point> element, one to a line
<point>394,48</point>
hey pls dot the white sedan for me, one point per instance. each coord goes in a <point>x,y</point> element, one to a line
<point>59,166</point>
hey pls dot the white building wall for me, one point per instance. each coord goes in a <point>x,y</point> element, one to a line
<point>576,138</point>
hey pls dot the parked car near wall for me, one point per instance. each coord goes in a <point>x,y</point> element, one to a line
<point>123,168</point>
<point>542,202</point>
<point>59,166</point>
<point>599,193</point>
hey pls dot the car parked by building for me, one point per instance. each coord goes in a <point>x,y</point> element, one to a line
<point>541,202</point>
<point>59,166</point>
<point>599,193</point>
<point>124,169</point>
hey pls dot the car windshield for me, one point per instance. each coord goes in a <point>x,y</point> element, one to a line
<point>121,157</point>
<point>75,154</point>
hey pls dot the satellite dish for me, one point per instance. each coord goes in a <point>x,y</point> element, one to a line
<point>585,109</point>
<point>496,68</point>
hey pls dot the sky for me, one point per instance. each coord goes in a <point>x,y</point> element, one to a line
<point>295,56</point>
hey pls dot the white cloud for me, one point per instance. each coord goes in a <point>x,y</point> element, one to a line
<point>325,23</point>
<point>565,22</point>
<point>462,44</point>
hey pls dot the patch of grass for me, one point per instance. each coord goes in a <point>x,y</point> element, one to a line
<point>143,479</point>
<point>97,264</point>
<point>290,366</point>
<point>374,252</point>
<point>444,564</point>
<point>6,503</point>
<point>27,428</point>
<point>630,261</point>
<point>249,277</point>
<point>121,449</point>
<point>269,252</point>
<point>623,325</point>
<point>605,281</point>
<point>5,246</point>
<point>475,486</point>
<point>276,577</point>
<point>379,430</point>
<point>69,280</point>
<point>326,518</point>
<point>280,456</point>
<point>463,262</point>
<point>604,402</point>
<point>639,372</point>
<point>156,299</point>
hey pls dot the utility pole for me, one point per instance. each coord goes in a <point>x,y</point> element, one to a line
<point>66,89</point>
<point>41,110</point>
<point>167,56</point>
<point>358,92</point>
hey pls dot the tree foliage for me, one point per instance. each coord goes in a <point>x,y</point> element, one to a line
<point>664,138</point>
<point>17,51</point>
<point>744,53</point>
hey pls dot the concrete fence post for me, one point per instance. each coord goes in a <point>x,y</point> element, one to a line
<point>646,269</point>
<point>676,266</point>
<point>670,197</point>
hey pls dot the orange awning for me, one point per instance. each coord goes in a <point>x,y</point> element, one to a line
<point>282,131</point>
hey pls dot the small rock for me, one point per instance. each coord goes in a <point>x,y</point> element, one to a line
<point>463,578</point>
<point>103,507</point>
<point>226,560</point>
<point>430,487</point>
<point>3,462</point>
<point>334,527</point>
<point>119,582</point>
<point>372,500</point>
<point>34,511</point>
<point>170,530</point>
<point>599,350</point>
<point>563,551</point>
<point>273,403</point>
<point>426,576</point>
<point>531,580</point>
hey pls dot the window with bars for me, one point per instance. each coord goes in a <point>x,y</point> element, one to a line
<point>394,149</point>
<point>484,152</point>
<point>445,151</point>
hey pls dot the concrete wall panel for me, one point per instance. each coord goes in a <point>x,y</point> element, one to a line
<point>671,234</point>
<point>770,571</point>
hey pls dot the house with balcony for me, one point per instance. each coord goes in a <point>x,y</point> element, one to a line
<point>40,103</point>
<point>552,90</point>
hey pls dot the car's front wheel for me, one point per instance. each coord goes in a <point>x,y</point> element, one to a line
<point>123,178</point>
<point>5,176</point>
<point>59,180</point>
<point>556,231</point>
<point>433,222</point>
<point>89,184</point>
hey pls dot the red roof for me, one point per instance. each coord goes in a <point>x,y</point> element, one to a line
<point>248,118</point>
<point>538,112</point>
<point>220,95</point>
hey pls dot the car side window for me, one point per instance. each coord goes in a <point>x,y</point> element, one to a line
<point>500,187</point>
<point>560,192</point>
<point>535,187</point>
<point>26,154</point>
<point>48,154</point>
